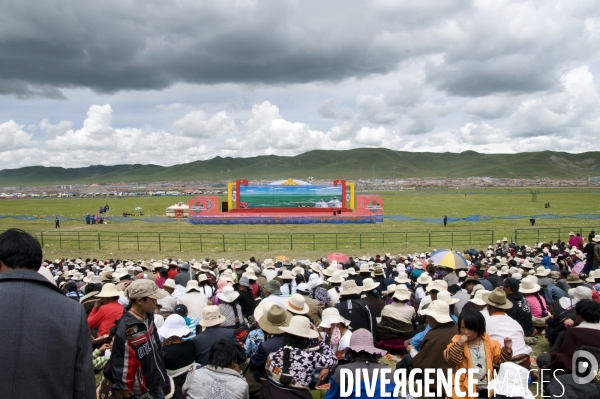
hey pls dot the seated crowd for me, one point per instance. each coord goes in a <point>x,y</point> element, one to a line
<point>281,328</point>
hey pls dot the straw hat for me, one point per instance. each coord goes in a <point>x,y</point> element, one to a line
<point>336,278</point>
<point>211,316</point>
<point>88,277</point>
<point>542,271</point>
<point>462,274</point>
<point>287,275</point>
<point>300,327</point>
<point>512,381</point>
<point>351,271</point>
<point>446,297</point>
<point>401,293</point>
<point>439,310</point>
<point>362,341</point>
<point>573,279</point>
<point>120,273</point>
<point>275,317</point>
<point>369,284</point>
<point>315,267</point>
<point>250,274</point>
<point>191,285</point>
<point>77,277</point>
<point>329,271</point>
<point>332,316</point>
<point>497,299</point>
<point>391,288</point>
<point>378,271</point>
<point>229,294</point>
<point>529,286</point>
<point>438,285</point>
<point>202,277</point>
<point>89,295</point>
<point>109,290</point>
<point>478,298</point>
<point>296,304</point>
<point>402,278</point>
<point>297,270</point>
<point>350,288</point>
<point>527,265</point>
<point>424,278</point>
<point>174,327</point>
<point>364,268</point>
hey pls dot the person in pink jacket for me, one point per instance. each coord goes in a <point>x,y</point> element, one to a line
<point>539,311</point>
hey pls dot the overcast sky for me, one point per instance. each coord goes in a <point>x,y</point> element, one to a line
<point>168,82</point>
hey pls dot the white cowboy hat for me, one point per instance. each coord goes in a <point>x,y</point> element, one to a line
<point>446,297</point>
<point>512,380</point>
<point>192,285</point>
<point>529,285</point>
<point>109,290</point>
<point>478,298</point>
<point>424,278</point>
<point>439,285</point>
<point>229,294</point>
<point>300,327</point>
<point>439,310</point>
<point>369,284</point>
<point>336,278</point>
<point>542,271</point>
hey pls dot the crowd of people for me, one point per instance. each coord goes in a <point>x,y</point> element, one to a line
<point>205,328</point>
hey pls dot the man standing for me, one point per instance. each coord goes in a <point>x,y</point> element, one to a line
<point>56,223</point>
<point>445,220</point>
<point>33,309</point>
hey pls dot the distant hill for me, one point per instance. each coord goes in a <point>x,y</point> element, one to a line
<point>351,164</point>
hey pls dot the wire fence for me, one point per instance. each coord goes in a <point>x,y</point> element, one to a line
<point>543,234</point>
<point>223,242</point>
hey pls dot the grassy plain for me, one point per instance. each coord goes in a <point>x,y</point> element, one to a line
<point>420,204</point>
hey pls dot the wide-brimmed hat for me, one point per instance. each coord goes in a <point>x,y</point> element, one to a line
<point>401,293</point>
<point>88,277</point>
<point>439,310</point>
<point>527,265</point>
<point>120,273</point>
<point>512,381</point>
<point>89,295</point>
<point>144,289</point>
<point>244,281</point>
<point>169,283</point>
<point>390,289</point>
<point>109,290</point>
<point>596,238</point>
<point>351,271</point>
<point>273,287</point>
<point>250,274</point>
<point>542,271</point>
<point>77,277</point>
<point>350,288</point>
<point>275,317</point>
<point>438,285</point>
<point>424,278</point>
<point>329,271</point>
<point>300,327</point>
<point>364,268</point>
<point>378,271</point>
<point>362,341</point>
<point>529,286</point>
<point>315,267</point>
<point>369,284</point>
<point>478,297</point>
<point>332,316</point>
<point>492,270</point>
<point>402,278</point>
<point>297,270</point>
<point>336,277</point>
<point>573,279</point>
<point>174,327</point>
<point>497,299</point>
<point>303,287</point>
<point>447,297</point>
<point>202,277</point>
<point>591,277</point>
<point>287,275</point>
<point>211,316</point>
<point>296,304</point>
<point>469,280</point>
<point>229,294</point>
<point>192,285</point>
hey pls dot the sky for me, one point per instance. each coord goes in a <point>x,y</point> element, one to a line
<point>168,82</point>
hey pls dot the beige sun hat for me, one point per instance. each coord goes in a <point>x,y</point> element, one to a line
<point>447,297</point>
<point>439,310</point>
<point>296,304</point>
<point>88,277</point>
<point>391,288</point>
<point>336,278</point>
<point>192,285</point>
<point>144,289</point>
<point>378,271</point>
<point>169,283</point>
<point>542,271</point>
<point>329,271</point>
<point>497,298</point>
<point>401,293</point>
<point>250,274</point>
<point>297,270</point>
<point>350,288</point>
<point>439,285</point>
<point>109,290</point>
<point>275,317</point>
<point>478,298</point>
<point>300,327</point>
<point>262,308</point>
<point>364,268</point>
<point>211,316</point>
<point>402,278</point>
<point>351,271</point>
<point>529,285</point>
<point>315,267</point>
<point>332,316</point>
<point>424,278</point>
<point>369,284</point>
<point>287,275</point>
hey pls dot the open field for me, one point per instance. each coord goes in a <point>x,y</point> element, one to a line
<point>422,204</point>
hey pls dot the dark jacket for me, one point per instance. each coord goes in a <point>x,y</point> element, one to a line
<point>136,358</point>
<point>494,279</point>
<point>212,335</point>
<point>247,303</point>
<point>359,312</point>
<point>46,348</point>
<point>521,312</point>
<point>259,359</point>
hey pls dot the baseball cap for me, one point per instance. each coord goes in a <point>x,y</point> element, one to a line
<point>513,283</point>
<point>144,289</point>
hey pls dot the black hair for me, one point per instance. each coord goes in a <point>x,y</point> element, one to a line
<point>181,310</point>
<point>92,287</point>
<point>70,286</point>
<point>473,320</point>
<point>454,288</point>
<point>396,300</point>
<point>479,272</point>
<point>222,354</point>
<point>589,310</point>
<point>19,249</point>
<point>164,272</point>
<point>290,341</point>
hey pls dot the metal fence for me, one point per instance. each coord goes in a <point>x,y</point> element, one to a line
<point>223,242</point>
<point>533,235</point>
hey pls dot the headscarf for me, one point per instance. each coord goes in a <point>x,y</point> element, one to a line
<point>314,280</point>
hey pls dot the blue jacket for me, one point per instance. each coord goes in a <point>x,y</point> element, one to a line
<point>547,262</point>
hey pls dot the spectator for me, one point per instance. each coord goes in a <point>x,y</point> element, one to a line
<point>107,310</point>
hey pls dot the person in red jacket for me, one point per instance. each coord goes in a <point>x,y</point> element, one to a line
<point>107,310</point>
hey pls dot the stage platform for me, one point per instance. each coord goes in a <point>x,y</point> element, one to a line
<point>292,216</point>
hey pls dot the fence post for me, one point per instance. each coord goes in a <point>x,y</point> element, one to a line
<point>179,242</point>
<point>291,242</point>
<point>99,246</point>
<point>429,239</point>
<point>336,241</point>
<point>118,241</point>
<point>314,243</point>
<point>245,242</point>
<point>516,236</point>
<point>268,242</point>
<point>138,240</point>
<point>223,239</point>
<point>60,240</point>
<point>406,239</point>
<point>452,238</point>
<point>159,243</point>
<point>492,237</point>
<point>360,240</point>
<point>42,238</point>
<point>200,238</point>
<point>78,241</point>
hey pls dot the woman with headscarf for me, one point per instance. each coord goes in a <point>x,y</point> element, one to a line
<point>316,291</point>
<point>178,352</point>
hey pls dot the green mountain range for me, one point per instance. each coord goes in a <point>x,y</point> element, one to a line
<point>362,163</point>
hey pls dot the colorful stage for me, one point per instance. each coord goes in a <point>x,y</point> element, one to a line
<point>287,202</point>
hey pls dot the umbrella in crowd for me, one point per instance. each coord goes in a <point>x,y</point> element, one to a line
<point>338,257</point>
<point>281,258</point>
<point>448,258</point>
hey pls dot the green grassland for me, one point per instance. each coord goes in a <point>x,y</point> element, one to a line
<point>423,204</point>
<point>360,163</point>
